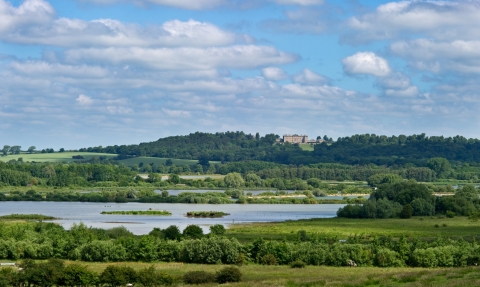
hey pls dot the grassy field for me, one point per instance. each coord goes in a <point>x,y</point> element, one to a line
<point>158,160</point>
<point>307,147</point>
<point>342,228</point>
<point>260,275</point>
<point>55,157</point>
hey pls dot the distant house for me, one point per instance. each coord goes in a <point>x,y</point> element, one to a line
<point>299,139</point>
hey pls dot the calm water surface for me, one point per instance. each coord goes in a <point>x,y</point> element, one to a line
<point>89,213</point>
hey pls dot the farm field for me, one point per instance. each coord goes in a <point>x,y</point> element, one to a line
<point>418,227</point>
<point>54,157</point>
<point>261,275</point>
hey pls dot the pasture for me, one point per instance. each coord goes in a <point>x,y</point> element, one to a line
<point>310,276</point>
<point>54,157</point>
<point>417,227</point>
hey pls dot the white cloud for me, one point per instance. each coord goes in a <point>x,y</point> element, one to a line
<point>299,2</point>
<point>65,32</point>
<point>84,100</point>
<point>410,91</point>
<point>30,12</point>
<point>186,58</point>
<point>442,20</point>
<point>308,77</point>
<point>183,4</point>
<point>274,74</point>
<point>394,81</point>
<point>366,63</point>
<point>434,56</point>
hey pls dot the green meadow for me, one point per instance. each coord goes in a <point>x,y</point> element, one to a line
<point>55,157</point>
<point>342,228</point>
<point>158,161</point>
<point>312,276</point>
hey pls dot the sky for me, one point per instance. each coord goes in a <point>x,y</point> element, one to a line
<point>81,73</point>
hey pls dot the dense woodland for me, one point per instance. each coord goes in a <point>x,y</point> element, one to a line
<point>356,149</point>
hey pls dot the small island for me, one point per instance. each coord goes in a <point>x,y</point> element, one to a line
<point>27,217</point>
<point>139,212</point>
<point>205,214</point>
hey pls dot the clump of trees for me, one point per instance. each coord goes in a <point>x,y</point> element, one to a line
<point>409,198</point>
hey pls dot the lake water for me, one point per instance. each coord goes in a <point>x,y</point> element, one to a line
<point>89,213</point>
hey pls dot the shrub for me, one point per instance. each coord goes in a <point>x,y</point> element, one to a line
<point>193,231</point>
<point>298,264</point>
<point>229,274</point>
<point>269,259</point>
<point>198,277</point>
<point>450,214</point>
<point>406,211</point>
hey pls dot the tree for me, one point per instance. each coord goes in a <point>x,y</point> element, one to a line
<point>118,275</point>
<point>234,180</point>
<point>168,162</point>
<point>77,275</point>
<point>172,233</point>
<point>440,165</point>
<point>203,161</point>
<point>5,150</point>
<point>174,178</point>
<point>31,149</point>
<point>257,136</point>
<point>406,211</point>
<point>61,150</point>
<point>217,229</point>
<point>193,231</point>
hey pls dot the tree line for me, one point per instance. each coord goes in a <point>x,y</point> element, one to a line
<point>47,240</point>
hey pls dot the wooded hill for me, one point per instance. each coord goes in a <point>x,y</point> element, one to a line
<point>356,149</point>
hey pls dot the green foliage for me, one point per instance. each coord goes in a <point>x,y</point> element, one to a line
<point>228,274</point>
<point>193,231</point>
<point>172,233</point>
<point>269,259</point>
<point>198,277</point>
<point>298,264</point>
<point>217,229</point>
<point>450,214</point>
<point>406,211</point>
<point>234,180</point>
<point>440,165</point>
<point>139,212</point>
<point>211,214</point>
<point>118,275</point>
<point>148,277</point>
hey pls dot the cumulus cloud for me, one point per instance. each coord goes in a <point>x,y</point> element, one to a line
<point>185,58</point>
<point>308,77</point>
<point>274,74</point>
<point>29,13</point>
<point>424,54</point>
<point>437,19</point>
<point>84,100</point>
<point>65,32</point>
<point>366,63</point>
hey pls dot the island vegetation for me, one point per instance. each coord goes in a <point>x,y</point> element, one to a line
<point>27,217</point>
<point>138,212</point>
<point>211,214</point>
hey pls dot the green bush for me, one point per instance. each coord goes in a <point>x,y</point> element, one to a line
<point>298,264</point>
<point>198,277</point>
<point>269,259</point>
<point>229,274</point>
<point>450,214</point>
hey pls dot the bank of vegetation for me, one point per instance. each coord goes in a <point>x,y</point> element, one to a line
<point>27,217</point>
<point>204,214</point>
<point>138,212</point>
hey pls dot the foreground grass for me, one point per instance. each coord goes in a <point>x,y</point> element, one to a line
<point>260,275</point>
<point>342,228</point>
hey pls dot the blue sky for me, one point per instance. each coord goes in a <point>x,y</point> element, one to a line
<point>79,73</point>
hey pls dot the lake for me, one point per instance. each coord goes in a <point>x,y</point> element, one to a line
<point>89,213</point>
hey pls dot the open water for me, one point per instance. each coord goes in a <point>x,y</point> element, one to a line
<point>89,213</point>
